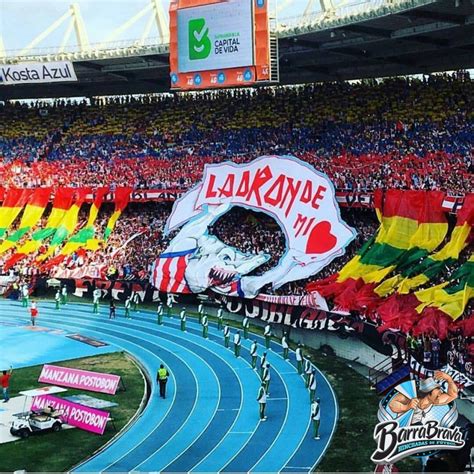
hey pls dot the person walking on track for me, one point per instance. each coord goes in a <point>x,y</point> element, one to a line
<point>159,314</point>
<point>308,368</point>
<point>299,359</point>
<point>128,303</point>
<point>205,326</point>
<point>162,378</point>
<point>262,401</point>
<point>312,385</point>
<point>226,336</point>
<point>267,333</point>
<point>245,326</point>
<point>182,319</point>
<point>57,299</point>
<point>253,354</point>
<point>220,318</point>
<point>112,309</point>
<point>237,344</point>
<point>33,313</point>
<point>266,378</point>
<point>285,345</point>
<point>316,417</point>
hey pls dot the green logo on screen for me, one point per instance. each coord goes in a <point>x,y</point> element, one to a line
<point>199,42</point>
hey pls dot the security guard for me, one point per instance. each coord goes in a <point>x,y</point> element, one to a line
<point>237,344</point>
<point>220,318</point>
<point>128,303</point>
<point>64,295</point>
<point>182,318</point>
<point>57,299</point>
<point>312,386</point>
<point>245,326</point>
<point>263,363</point>
<point>95,300</point>
<point>253,354</point>
<point>162,377</point>
<point>226,335</point>
<point>308,368</point>
<point>267,332</point>
<point>25,294</point>
<point>299,358</point>
<point>135,301</point>
<point>266,378</point>
<point>205,325</point>
<point>159,314</point>
<point>284,343</point>
<point>262,401</point>
<point>169,305</point>
<point>316,417</point>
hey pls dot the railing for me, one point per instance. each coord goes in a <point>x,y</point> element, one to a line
<point>287,26</point>
<point>380,371</point>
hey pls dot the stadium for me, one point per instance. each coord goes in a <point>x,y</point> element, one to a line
<point>236,236</point>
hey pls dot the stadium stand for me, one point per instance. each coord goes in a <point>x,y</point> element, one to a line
<point>391,134</point>
<point>397,133</point>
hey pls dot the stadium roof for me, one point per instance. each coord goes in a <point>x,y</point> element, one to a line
<point>373,39</point>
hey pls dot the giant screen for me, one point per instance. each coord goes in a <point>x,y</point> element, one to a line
<point>218,43</point>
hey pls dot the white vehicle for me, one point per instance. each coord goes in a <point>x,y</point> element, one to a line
<point>31,422</point>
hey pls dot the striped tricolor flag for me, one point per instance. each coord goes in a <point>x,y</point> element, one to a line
<point>168,275</point>
<point>168,272</point>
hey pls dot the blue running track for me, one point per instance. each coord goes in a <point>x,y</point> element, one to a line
<point>209,420</point>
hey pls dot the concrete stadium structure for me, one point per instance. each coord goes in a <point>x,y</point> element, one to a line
<point>342,41</point>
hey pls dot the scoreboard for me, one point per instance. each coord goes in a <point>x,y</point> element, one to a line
<point>219,43</point>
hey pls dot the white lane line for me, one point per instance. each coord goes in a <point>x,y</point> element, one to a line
<point>192,411</point>
<point>104,332</point>
<point>198,339</point>
<point>194,323</point>
<point>185,363</point>
<point>281,428</point>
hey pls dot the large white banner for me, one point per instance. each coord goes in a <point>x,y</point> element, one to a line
<point>30,73</point>
<point>301,200</point>
<point>216,36</point>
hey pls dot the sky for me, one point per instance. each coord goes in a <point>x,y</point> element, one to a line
<point>23,20</point>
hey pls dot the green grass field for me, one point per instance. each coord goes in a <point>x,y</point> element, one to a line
<point>59,452</point>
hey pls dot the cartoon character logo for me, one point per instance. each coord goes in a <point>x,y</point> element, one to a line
<point>417,419</point>
<point>300,199</point>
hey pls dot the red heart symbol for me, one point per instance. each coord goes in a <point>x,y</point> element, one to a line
<point>320,239</point>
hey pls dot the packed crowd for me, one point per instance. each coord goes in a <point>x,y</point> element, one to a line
<point>138,239</point>
<point>434,353</point>
<point>397,133</point>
